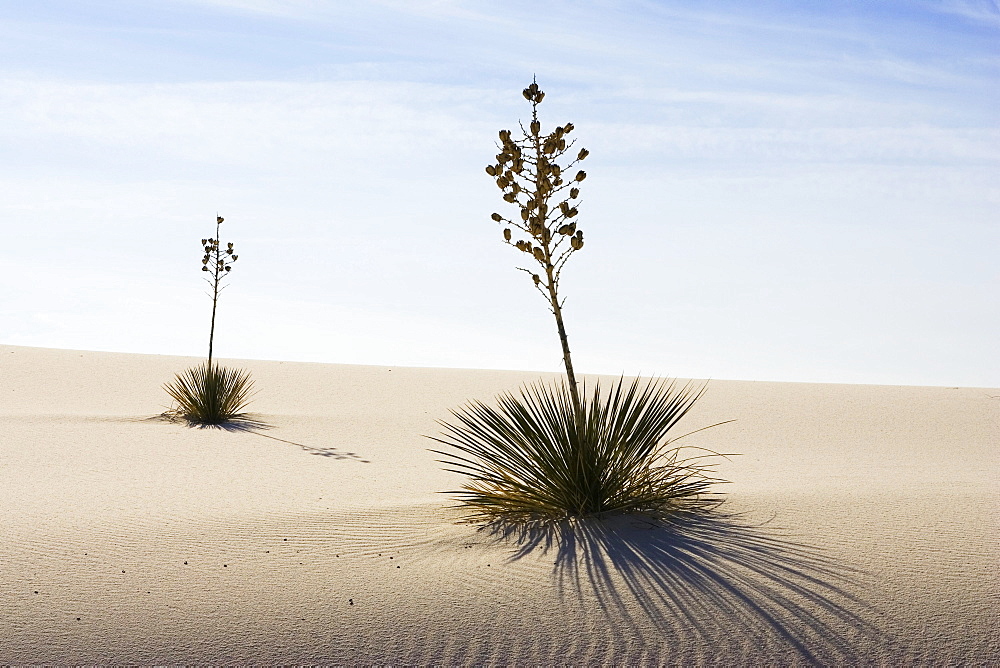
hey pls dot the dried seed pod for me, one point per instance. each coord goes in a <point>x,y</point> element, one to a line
<point>497,217</point>
<point>525,214</point>
<point>510,197</point>
<point>581,175</point>
<point>535,127</point>
<point>219,219</point>
<point>572,212</point>
<point>516,186</point>
<point>576,243</point>
<point>568,128</point>
<point>539,254</point>
<point>235,258</point>
<point>505,136</point>
<point>543,209</point>
<point>491,170</point>
<point>574,192</point>
<point>539,96</point>
<point>506,234</point>
<point>536,278</point>
<point>564,229</point>
<point>228,267</point>
<point>204,241</point>
<point>204,269</point>
<point>572,228</point>
<point>564,208</point>
<point>502,182</point>
<point>582,154</point>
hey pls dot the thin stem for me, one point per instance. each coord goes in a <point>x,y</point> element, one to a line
<point>551,281</point>
<point>215,290</point>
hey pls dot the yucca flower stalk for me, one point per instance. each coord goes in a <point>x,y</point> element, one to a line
<point>218,264</point>
<point>210,393</point>
<point>529,173</point>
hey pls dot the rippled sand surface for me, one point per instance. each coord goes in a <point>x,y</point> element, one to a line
<point>860,526</point>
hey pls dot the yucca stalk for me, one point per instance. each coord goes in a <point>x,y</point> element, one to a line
<point>218,263</point>
<point>536,456</point>
<point>528,172</point>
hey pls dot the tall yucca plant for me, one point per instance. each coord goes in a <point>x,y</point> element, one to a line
<point>554,452</point>
<point>209,393</point>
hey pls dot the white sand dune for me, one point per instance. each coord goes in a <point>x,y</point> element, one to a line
<point>861,526</point>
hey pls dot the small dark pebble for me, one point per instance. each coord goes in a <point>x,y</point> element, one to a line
<point>285,539</point>
<point>77,619</point>
<point>397,566</point>
<point>185,563</point>
<point>351,601</point>
<point>225,565</point>
<point>123,571</point>
<point>36,591</point>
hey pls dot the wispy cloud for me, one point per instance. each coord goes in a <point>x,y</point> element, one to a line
<point>757,175</point>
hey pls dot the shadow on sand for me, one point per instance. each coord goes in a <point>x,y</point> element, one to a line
<point>253,424</point>
<point>701,569</point>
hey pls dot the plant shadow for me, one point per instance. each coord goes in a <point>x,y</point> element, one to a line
<point>701,569</point>
<point>253,424</point>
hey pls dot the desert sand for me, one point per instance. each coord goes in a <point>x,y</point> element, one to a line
<point>860,527</point>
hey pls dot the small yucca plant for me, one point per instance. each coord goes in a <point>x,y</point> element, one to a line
<point>209,393</point>
<point>535,457</point>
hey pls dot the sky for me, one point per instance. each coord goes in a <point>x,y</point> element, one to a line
<point>787,191</point>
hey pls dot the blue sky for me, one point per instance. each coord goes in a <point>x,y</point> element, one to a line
<point>776,191</point>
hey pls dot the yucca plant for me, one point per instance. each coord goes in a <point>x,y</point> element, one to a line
<point>533,456</point>
<point>554,452</point>
<point>209,393</point>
